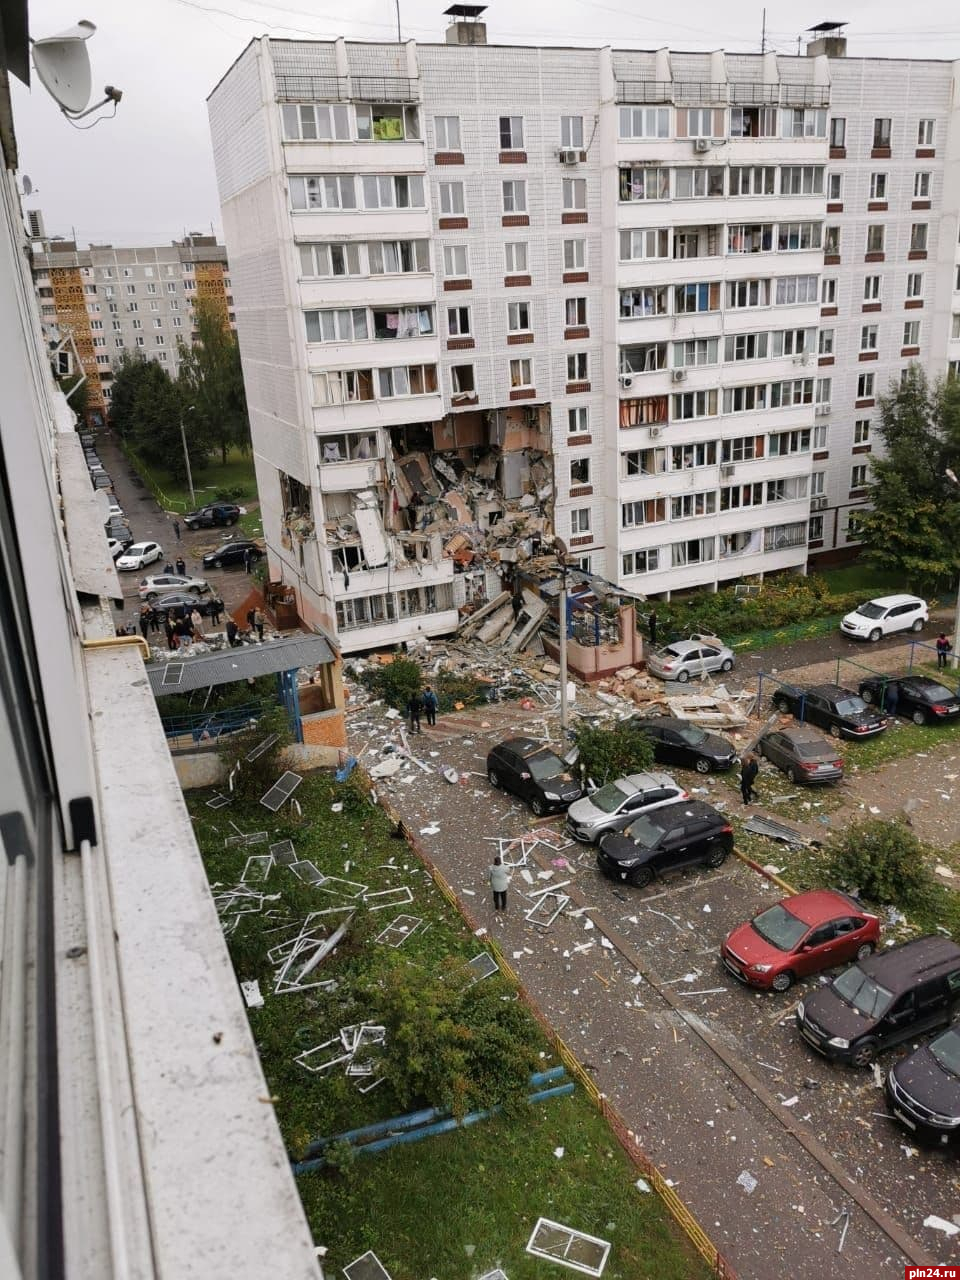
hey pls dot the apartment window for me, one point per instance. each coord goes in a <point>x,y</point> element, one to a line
<point>575,255</point>
<point>793,391</point>
<point>118,342</point>
<point>392,191</point>
<point>140,340</point>
<point>915,284</point>
<point>158,323</point>
<point>742,449</point>
<point>518,317</point>
<point>579,471</point>
<point>133,306</point>
<point>861,435</point>
<point>817,483</point>
<point>921,186</point>
<point>820,437</point>
<point>911,333</point>
<point>831,241</point>
<point>801,180</point>
<point>838,131</point>
<point>515,255</point>
<point>644,245</point>
<point>918,237</point>
<point>154,306</point>
<point>685,456</point>
<point>575,312</point>
<point>875,238</point>
<point>99,342</point>
<point>743,294</point>
<point>131,290</point>
<point>881,132</point>
<point>346,324</point>
<point>407,380</point>
<point>688,299</point>
<point>151,288</point>
<point>699,122</point>
<point>782,536</point>
<point>571,132</point>
<point>458,322</point>
<point>785,443</point>
<point>128,272</point>
<point>511,133</point>
<point>792,290</point>
<point>171,287</point>
<point>177,322</point>
<point>514,195</point>
<point>106,273</point>
<point>752,180</point>
<point>647,183</point>
<point>753,122</point>
<point>160,340</point>
<point>878,186</point>
<point>868,337</point>
<point>447,131</point>
<point>688,505</point>
<point>330,191</point>
<point>695,352</point>
<point>750,237</point>
<point>521,373</point>
<point>693,551</point>
<point>580,520</point>
<point>858,476</point>
<point>109,291</point>
<point>138,324</point>
<point>925,130</point>
<point>574,194</point>
<point>636,562</point>
<point>309,122</point>
<point>789,489</point>
<point>643,301</point>
<point>696,183</point>
<point>323,260</point>
<point>835,187</point>
<point>825,347</point>
<point>577,367</point>
<point>455,262</point>
<point>694,404</point>
<point>645,357</point>
<point>955,327</point>
<point>871,288</point>
<point>746,346</point>
<point>96,324</point>
<point>815,529</point>
<point>462,381</point>
<point>804,122</point>
<point>386,123</point>
<point>578,421</point>
<point>634,515</point>
<point>451,199</point>
<point>744,399</point>
<point>115,325</point>
<point>865,384</point>
<point>644,122</point>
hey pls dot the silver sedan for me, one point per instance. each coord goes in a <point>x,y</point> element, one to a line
<point>616,805</point>
<point>685,658</point>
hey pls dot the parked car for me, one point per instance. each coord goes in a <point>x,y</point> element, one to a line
<point>685,658</point>
<point>923,1090</point>
<point>884,616</point>
<point>799,936</point>
<point>893,996</point>
<point>121,532</point>
<point>231,553</point>
<point>666,840</point>
<point>218,513</point>
<point>115,547</point>
<point>160,584</point>
<point>843,713</point>
<point>102,481</point>
<point>139,555</point>
<point>114,512</point>
<point>919,698</point>
<point>175,600</point>
<point>534,773</point>
<point>618,803</point>
<point>677,741</point>
<point>803,754</point>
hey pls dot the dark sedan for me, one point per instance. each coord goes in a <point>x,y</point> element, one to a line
<point>676,836</point>
<point>534,773</point>
<point>218,513</point>
<point>232,553</point>
<point>920,699</point>
<point>184,600</point>
<point>924,1089</point>
<point>841,712</point>
<point>803,754</point>
<point>679,742</point>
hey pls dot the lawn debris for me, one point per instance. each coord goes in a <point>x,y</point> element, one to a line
<point>571,1248</point>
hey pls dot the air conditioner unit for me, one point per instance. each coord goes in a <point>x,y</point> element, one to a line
<point>823,410</point>
<point>569,157</point>
<point>818,503</point>
<point>701,145</point>
<point>626,380</point>
<point>727,469</point>
<point>679,375</point>
<point>655,433</point>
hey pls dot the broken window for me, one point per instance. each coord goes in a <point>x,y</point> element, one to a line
<point>386,123</point>
<point>634,515</point>
<point>325,260</point>
<point>458,322</point>
<point>647,357</point>
<point>343,386</point>
<point>694,551</point>
<point>348,447</point>
<point>406,380</point>
<point>643,301</point>
<point>398,257</point>
<point>402,322</point>
<point>634,562</point>
<point>341,325</point>
<point>643,462</point>
<point>579,471</point>
<point>685,456</point>
<point>462,382</point>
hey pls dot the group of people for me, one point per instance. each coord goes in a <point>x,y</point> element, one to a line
<point>425,703</point>
<point>183,626</point>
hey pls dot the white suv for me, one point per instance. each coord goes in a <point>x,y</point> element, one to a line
<point>885,615</point>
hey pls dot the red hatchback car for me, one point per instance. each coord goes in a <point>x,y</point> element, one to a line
<point>799,936</point>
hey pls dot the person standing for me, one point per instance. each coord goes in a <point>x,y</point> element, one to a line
<point>430,705</point>
<point>414,708</point>
<point>176,529</point>
<point>145,614</point>
<point>171,632</point>
<point>251,618</point>
<point>216,610</point>
<point>517,601</point>
<point>181,567</point>
<point>232,632</point>
<point>499,882</point>
<point>943,648</point>
<point>748,776</point>
<point>247,560</point>
<point>892,698</point>
<point>652,625</point>
<point>197,622</point>
<point>258,622</point>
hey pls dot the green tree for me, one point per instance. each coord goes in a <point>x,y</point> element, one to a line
<point>883,860</point>
<point>610,753</point>
<point>127,379</point>
<point>211,380</point>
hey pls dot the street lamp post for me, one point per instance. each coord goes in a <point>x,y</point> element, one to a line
<point>186,454</point>
<point>561,553</point>
<point>954,656</point>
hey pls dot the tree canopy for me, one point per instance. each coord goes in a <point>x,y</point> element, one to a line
<point>211,381</point>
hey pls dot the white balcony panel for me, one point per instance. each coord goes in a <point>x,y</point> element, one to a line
<point>355,157</point>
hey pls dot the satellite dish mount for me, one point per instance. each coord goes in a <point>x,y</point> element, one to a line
<point>63,68</point>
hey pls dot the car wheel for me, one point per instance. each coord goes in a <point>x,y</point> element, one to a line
<point>716,855</point>
<point>193,527</point>
<point>867,694</point>
<point>538,807</point>
<point>726,664</point>
<point>793,776</point>
<point>781,704</point>
<point>218,564</point>
<point>875,635</point>
<point>917,624</point>
<point>151,595</point>
<point>834,731</point>
<point>702,765</point>
<point>640,877</point>
<point>865,950</point>
<point>919,717</point>
<point>783,981</point>
<point>683,677</point>
<point>194,591</point>
<point>494,778</point>
<point>864,1053</point>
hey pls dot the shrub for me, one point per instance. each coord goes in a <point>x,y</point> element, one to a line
<point>884,860</point>
<point>254,777</point>
<point>609,753</point>
<point>395,683</point>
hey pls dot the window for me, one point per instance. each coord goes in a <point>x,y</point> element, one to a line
<point>147,271</point>
<point>154,306</point>
<point>744,399</point>
<point>694,404</point>
<point>511,133</point>
<point>514,196</point>
<point>746,346</point>
<point>697,183</point>
<point>688,505</point>
<point>116,326</point>
<point>925,130</point>
<point>575,312</point>
<point>835,187</point>
<point>578,421</point>
<point>386,122</point>
<point>407,380</point>
<point>838,131</point>
<point>322,260</point>
<point>447,130</point>
<point>871,288</point>
<point>138,324</point>
<point>634,515</point>
<point>131,290</point>
<point>141,340</point>
<point>804,122</point>
<point>644,122</point>
<point>636,562</point>
<point>107,273</point>
<point>743,294</point>
<point>858,477</point>
<point>645,357</point>
<point>753,122</point>
<point>580,520</point>
<point>177,322</point>
<point>651,300</point>
<point>109,291</point>
<point>918,237</point>
<point>792,290</point>
<point>392,191</point>
<point>693,551</point>
<point>750,237</point>
<point>647,183</point>
<point>878,186</point>
<point>788,489</point>
<point>309,122</point>
<point>820,436</point>
<point>458,322</point>
<point>955,328</point>
<point>783,536</point>
<point>571,133</point>
<point>861,433</point>
<point>881,132</point>
<point>824,394</point>
<point>579,471</point>
<point>831,241</point>
<point>451,199</point>
<point>158,323</point>
<point>825,347</point>
<point>455,261</point>
<point>921,186</point>
<point>875,238</point>
<point>151,288</point>
<point>868,337</point>
<point>574,193</point>
<point>462,381</point>
<point>99,342</point>
<point>160,340</point>
<point>397,257</point>
<point>752,180</point>
<point>784,443</point>
<point>515,255</point>
<point>699,122</point>
<point>95,325</point>
<point>644,245</point>
<point>171,286</point>
<point>118,342</point>
<point>348,324</point>
<point>865,383</point>
<point>330,191</point>
<point>915,284</point>
<point>801,180</point>
<point>815,529</point>
<point>818,481</point>
<point>575,255</point>
<point>518,317</point>
<point>521,373</point>
<point>695,352</point>
<point>577,367</point>
<point>742,449</point>
<point>689,299</point>
<point>685,456</point>
<point>793,391</point>
<point>911,333</point>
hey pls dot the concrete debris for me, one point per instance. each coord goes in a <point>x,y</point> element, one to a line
<point>748,1182</point>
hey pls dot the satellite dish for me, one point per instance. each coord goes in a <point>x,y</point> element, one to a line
<point>63,66</point>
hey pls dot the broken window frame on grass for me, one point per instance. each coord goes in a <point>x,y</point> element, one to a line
<point>373,1268</point>
<point>405,931</point>
<point>573,1237</point>
<point>284,787</point>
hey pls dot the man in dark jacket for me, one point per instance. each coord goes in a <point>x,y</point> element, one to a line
<point>414,708</point>
<point>748,776</point>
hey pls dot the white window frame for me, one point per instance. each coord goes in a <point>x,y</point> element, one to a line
<point>513,195</point>
<point>447,133</point>
<point>573,195</point>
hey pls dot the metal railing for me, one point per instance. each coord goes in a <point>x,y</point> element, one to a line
<point>295,85</point>
<point>719,93</point>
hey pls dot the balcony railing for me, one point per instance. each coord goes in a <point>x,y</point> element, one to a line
<point>300,84</point>
<point>710,92</point>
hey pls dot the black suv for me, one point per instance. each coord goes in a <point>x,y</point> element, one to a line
<point>666,840</point>
<point>843,713</point>
<point>924,1090</point>
<point>922,700</point>
<point>878,1002</point>
<point>679,742</point>
<point>217,513</point>
<point>534,773</point>
<point>231,553</point>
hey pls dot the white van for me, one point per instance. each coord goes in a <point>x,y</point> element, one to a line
<point>883,616</point>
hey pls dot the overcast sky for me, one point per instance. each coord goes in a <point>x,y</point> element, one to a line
<point>147,176</point>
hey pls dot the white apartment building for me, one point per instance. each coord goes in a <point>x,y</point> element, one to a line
<point>638,272</point>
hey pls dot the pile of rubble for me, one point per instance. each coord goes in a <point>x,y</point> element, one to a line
<point>713,706</point>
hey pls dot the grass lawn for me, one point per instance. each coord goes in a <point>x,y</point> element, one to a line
<point>861,575</point>
<point>235,478</point>
<point>420,1206</point>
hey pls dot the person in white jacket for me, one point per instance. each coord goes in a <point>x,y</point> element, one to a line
<point>499,883</point>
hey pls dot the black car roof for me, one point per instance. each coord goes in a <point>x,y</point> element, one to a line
<point>900,967</point>
<point>665,722</point>
<point>834,691</point>
<point>526,746</point>
<point>667,813</point>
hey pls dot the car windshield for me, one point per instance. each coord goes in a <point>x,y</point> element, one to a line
<point>644,831</point>
<point>778,927</point>
<point>544,765</point>
<point>668,651</point>
<point>936,692</point>
<point>850,706</point>
<point>807,750</point>
<point>692,735</point>
<point>946,1051</point>
<point>860,991</point>
<point>609,798</point>
<point>870,610</point>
